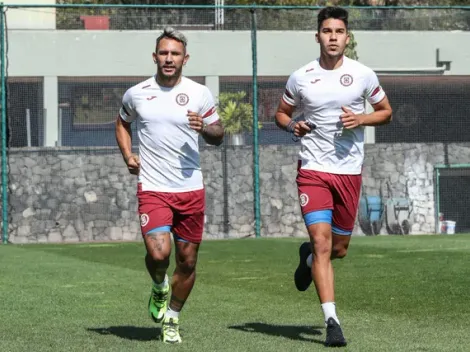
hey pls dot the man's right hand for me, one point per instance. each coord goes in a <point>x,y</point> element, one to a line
<point>301,129</point>
<point>133,164</point>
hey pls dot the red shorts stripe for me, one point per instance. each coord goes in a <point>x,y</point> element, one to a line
<point>321,190</point>
<point>183,211</point>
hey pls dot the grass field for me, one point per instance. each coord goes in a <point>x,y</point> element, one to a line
<point>393,294</point>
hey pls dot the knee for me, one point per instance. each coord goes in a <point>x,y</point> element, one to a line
<point>339,252</point>
<point>158,256</point>
<point>322,248</point>
<point>158,247</point>
<point>186,265</point>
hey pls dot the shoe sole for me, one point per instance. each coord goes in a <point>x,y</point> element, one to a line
<point>156,320</point>
<point>336,344</point>
<point>171,342</point>
<point>301,261</point>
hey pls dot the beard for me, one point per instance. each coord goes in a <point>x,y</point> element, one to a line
<point>177,72</point>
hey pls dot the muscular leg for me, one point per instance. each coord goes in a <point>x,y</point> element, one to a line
<point>322,269</point>
<point>327,242</point>
<point>184,275</point>
<point>157,258</point>
<point>158,245</point>
<point>325,248</point>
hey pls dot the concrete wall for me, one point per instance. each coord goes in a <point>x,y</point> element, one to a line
<point>221,53</point>
<point>71,194</point>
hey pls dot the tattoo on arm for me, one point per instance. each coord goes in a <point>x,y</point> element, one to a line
<point>213,134</point>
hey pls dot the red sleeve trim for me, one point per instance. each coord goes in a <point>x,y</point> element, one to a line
<point>209,112</point>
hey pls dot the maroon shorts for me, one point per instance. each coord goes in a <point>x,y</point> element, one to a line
<point>181,213</point>
<point>326,191</point>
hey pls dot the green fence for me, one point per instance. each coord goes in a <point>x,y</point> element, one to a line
<point>64,69</point>
<point>452,185</point>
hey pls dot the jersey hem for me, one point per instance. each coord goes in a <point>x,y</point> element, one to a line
<point>150,188</point>
<point>331,170</point>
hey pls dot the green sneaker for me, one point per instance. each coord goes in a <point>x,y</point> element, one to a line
<point>158,303</point>
<point>171,330</point>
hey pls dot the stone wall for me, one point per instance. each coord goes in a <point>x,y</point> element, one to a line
<point>76,194</point>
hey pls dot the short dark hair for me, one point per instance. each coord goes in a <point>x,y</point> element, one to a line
<point>338,13</point>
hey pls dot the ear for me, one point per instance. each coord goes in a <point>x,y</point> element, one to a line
<point>186,58</point>
<point>316,38</point>
<point>348,38</point>
<point>154,57</point>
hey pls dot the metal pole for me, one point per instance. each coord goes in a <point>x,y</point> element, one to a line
<point>437,200</point>
<point>452,166</point>
<point>4,126</point>
<point>226,225</point>
<point>232,7</point>
<point>28,127</point>
<point>255,125</point>
<point>59,126</point>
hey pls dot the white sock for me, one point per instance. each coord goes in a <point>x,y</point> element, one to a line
<point>309,260</point>
<point>170,313</point>
<point>162,284</point>
<point>329,310</point>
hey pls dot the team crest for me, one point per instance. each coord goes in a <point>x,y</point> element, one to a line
<point>346,80</point>
<point>303,199</point>
<point>144,220</point>
<point>182,99</point>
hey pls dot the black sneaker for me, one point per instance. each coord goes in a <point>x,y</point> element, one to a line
<point>334,334</point>
<point>303,274</point>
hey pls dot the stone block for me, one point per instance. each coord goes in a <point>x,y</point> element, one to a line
<point>54,236</point>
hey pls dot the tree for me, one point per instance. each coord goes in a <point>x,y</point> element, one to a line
<point>236,114</point>
<point>270,19</point>
<point>351,2</point>
<point>351,48</point>
<point>136,18</point>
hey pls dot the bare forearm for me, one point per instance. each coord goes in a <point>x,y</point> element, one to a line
<point>124,139</point>
<point>213,134</point>
<point>377,118</point>
<point>284,121</point>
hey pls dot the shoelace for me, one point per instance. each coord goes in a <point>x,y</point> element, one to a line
<point>170,327</point>
<point>159,298</point>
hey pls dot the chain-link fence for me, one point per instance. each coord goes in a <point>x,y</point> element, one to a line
<point>65,69</point>
<point>268,18</point>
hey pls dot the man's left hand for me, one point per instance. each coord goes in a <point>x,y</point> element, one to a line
<point>349,119</point>
<point>195,121</point>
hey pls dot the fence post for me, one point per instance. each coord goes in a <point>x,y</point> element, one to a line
<point>4,126</point>
<point>254,55</point>
<point>437,200</point>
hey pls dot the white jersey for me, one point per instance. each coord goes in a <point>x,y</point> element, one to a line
<point>168,148</point>
<point>330,147</point>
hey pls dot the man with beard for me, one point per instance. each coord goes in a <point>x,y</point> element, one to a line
<point>170,111</point>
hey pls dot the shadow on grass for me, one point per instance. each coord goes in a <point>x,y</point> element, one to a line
<point>130,332</point>
<point>292,332</point>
